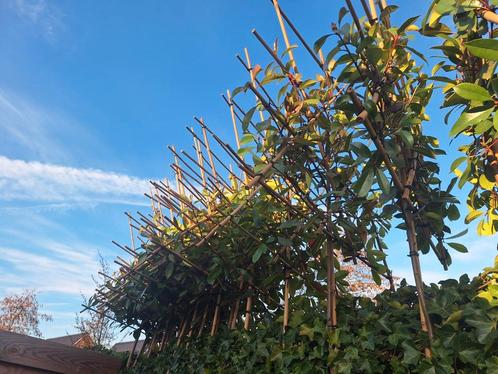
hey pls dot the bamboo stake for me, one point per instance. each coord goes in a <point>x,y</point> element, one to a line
<point>373,10</point>
<point>247,319</point>
<point>489,15</point>
<point>131,235</point>
<point>203,320</point>
<point>151,344</point>
<point>234,123</point>
<point>216,316</point>
<point>286,298</point>
<point>284,34</point>
<point>371,19</point>
<point>355,18</point>
<point>301,39</point>
<point>128,362</point>
<point>200,159</point>
<point>141,350</point>
<point>233,322</point>
<point>178,175</point>
<point>208,148</point>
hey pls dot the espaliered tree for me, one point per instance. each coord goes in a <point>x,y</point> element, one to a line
<point>470,50</point>
<point>323,169</point>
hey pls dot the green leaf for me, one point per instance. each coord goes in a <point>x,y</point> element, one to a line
<point>471,91</point>
<point>262,248</point>
<point>365,182</point>
<point>453,213</point>
<point>461,233</point>
<point>484,48</point>
<point>469,118</point>
<point>411,356</point>
<point>407,137</point>
<point>484,328</point>
<point>458,247</point>
<point>170,267</point>
<point>319,43</point>
<point>289,223</point>
<point>494,85</point>
<point>407,23</point>
<point>457,162</point>
<point>342,12</point>
<point>469,355</point>
<point>247,118</point>
<point>382,181</point>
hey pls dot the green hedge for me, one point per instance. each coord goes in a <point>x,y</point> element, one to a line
<point>374,336</point>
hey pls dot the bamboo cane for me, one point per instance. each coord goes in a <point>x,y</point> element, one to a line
<point>128,362</point>
<point>141,350</point>
<point>247,319</point>
<point>216,316</point>
<point>203,320</point>
<point>284,34</point>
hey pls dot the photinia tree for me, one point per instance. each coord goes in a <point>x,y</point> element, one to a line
<point>326,167</point>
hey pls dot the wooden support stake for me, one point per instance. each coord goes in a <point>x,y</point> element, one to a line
<point>128,362</point>
<point>216,316</point>
<point>247,319</point>
<point>284,34</point>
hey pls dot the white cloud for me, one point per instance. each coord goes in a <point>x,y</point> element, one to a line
<point>43,15</point>
<point>30,129</point>
<point>479,249</point>
<point>48,272</point>
<point>40,182</point>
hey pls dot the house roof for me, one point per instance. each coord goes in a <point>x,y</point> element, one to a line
<point>68,339</point>
<point>127,346</point>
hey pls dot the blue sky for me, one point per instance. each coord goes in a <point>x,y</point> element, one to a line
<point>92,92</point>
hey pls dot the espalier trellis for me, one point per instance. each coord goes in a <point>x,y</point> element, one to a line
<point>326,165</point>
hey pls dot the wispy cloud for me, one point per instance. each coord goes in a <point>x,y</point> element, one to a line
<point>479,249</point>
<point>50,273</point>
<point>36,131</point>
<point>40,182</point>
<point>43,15</point>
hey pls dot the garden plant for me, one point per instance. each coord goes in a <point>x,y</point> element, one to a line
<point>246,269</point>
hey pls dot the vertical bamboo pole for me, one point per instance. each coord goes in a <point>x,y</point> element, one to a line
<point>216,316</point>
<point>151,344</point>
<point>203,320</point>
<point>182,330</point>
<point>200,160</point>
<point>233,322</point>
<point>130,356</point>
<point>425,321</point>
<point>141,350</point>
<point>178,175</point>
<point>284,34</point>
<point>164,338</point>
<point>234,122</point>
<point>247,319</point>
<point>235,130</point>
<point>373,10</point>
<point>131,234</point>
<point>286,299</point>
<point>331,284</point>
<point>192,323</point>
<point>208,148</point>
<point>169,207</point>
